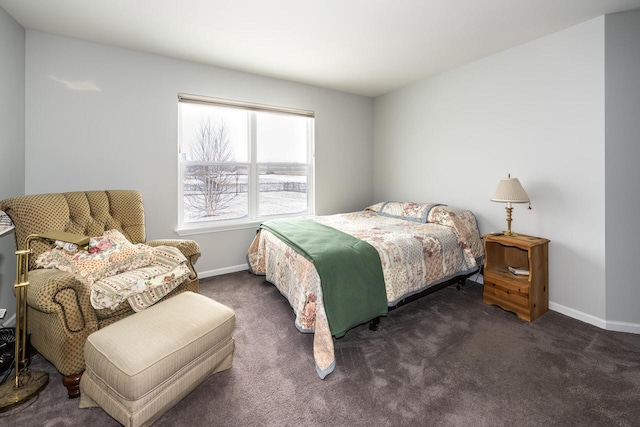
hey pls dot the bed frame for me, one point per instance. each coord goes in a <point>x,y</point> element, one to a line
<point>460,284</point>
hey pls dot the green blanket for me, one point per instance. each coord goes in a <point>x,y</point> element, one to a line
<point>350,271</point>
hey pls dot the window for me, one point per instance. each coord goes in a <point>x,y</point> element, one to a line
<point>242,163</point>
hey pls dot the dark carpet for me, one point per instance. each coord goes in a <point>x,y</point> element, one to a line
<point>444,360</point>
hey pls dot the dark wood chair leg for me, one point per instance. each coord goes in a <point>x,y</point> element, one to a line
<point>72,383</point>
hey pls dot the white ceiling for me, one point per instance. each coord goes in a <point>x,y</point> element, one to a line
<point>366,47</point>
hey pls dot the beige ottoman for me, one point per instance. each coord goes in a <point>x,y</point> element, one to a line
<point>141,366</point>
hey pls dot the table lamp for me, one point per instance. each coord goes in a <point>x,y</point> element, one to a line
<point>510,191</point>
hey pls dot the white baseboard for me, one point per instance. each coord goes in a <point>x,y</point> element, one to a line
<point>609,325</point>
<point>220,271</point>
<point>579,315</point>
<point>632,328</point>
<point>567,311</point>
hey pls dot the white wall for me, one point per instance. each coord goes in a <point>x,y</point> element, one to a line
<point>622,156</point>
<point>535,111</point>
<point>12,42</point>
<point>99,117</point>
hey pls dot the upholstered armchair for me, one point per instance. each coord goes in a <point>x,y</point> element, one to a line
<point>60,315</point>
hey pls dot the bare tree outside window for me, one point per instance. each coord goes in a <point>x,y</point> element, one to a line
<point>211,185</point>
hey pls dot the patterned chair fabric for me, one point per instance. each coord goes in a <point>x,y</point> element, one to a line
<point>60,315</point>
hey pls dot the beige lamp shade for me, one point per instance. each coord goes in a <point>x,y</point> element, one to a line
<point>510,191</point>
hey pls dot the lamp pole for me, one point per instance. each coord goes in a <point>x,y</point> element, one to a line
<point>26,383</point>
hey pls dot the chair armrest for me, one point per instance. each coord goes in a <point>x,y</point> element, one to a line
<point>58,292</point>
<point>189,248</point>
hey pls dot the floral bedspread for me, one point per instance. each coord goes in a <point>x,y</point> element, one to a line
<point>419,245</point>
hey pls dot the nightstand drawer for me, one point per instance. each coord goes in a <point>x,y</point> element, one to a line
<point>506,292</point>
<point>507,281</point>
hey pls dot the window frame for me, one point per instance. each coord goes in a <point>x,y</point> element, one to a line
<point>252,220</point>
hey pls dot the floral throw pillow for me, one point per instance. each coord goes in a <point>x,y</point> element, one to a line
<point>106,256</point>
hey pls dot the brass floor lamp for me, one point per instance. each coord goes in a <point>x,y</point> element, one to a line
<point>27,383</point>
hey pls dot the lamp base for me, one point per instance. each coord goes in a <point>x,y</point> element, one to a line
<point>32,383</point>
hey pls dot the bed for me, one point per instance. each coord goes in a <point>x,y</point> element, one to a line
<point>340,271</point>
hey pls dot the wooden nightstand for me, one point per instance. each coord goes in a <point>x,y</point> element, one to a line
<point>525,295</point>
